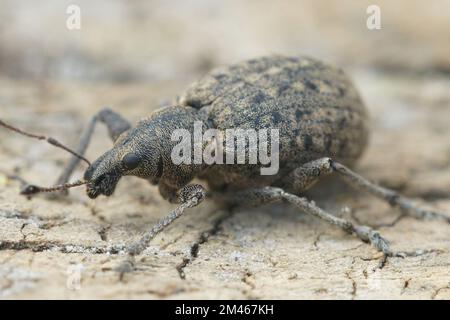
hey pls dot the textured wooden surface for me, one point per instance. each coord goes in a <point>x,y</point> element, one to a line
<point>136,58</point>
<point>270,252</point>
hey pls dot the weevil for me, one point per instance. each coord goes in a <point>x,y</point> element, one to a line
<point>323,130</point>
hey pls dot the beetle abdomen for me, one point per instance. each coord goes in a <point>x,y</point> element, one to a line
<point>314,105</point>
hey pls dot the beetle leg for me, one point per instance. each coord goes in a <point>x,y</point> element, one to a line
<point>407,206</point>
<point>308,174</point>
<point>190,196</point>
<point>116,126</point>
<point>254,197</point>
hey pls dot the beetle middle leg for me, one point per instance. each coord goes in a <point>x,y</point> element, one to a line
<point>116,125</point>
<point>260,196</point>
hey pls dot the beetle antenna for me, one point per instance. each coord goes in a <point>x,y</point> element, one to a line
<point>33,189</point>
<point>50,140</point>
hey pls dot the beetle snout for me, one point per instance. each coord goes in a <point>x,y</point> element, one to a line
<point>104,184</point>
<point>102,177</point>
<point>94,188</point>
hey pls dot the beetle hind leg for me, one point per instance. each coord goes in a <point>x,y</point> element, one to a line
<point>406,205</point>
<point>308,174</point>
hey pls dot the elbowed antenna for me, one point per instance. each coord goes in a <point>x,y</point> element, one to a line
<point>50,140</point>
<point>33,189</point>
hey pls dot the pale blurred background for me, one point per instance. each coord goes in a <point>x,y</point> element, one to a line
<point>125,41</point>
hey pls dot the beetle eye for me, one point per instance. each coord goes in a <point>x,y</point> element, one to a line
<point>130,161</point>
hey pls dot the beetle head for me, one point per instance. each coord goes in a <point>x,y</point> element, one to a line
<point>134,153</point>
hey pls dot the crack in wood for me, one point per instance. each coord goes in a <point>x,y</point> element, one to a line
<point>202,239</point>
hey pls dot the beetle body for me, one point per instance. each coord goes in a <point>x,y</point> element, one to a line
<point>322,127</point>
<point>314,105</point>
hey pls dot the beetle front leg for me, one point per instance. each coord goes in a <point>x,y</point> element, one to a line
<point>190,196</point>
<point>116,125</point>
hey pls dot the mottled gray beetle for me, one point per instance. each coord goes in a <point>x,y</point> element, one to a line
<point>323,129</point>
